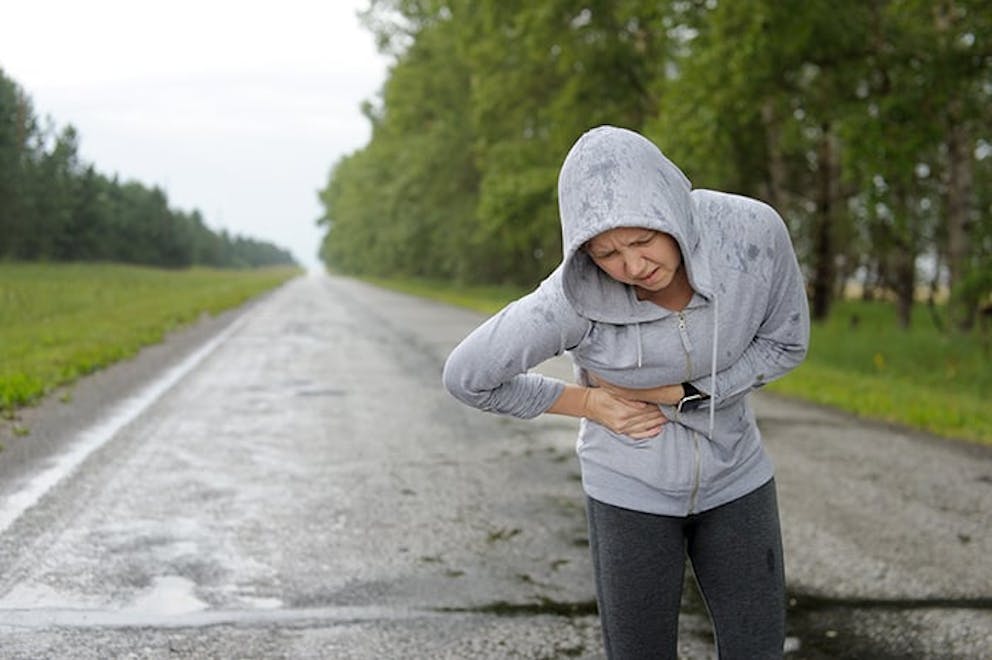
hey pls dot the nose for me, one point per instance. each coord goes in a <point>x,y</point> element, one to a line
<point>635,264</point>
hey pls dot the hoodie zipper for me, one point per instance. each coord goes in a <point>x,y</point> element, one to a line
<point>687,346</point>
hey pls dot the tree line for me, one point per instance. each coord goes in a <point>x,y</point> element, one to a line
<point>55,207</point>
<point>866,123</point>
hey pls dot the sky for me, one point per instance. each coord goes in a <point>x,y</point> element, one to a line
<point>237,109</point>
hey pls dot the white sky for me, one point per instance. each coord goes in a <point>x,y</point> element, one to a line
<point>238,109</point>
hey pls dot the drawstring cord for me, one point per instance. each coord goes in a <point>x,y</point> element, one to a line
<point>716,313</point>
<point>639,350</point>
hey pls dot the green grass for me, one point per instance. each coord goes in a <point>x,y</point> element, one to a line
<point>859,361</point>
<point>61,321</point>
<point>862,362</point>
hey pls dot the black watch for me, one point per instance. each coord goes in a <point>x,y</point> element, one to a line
<point>692,398</point>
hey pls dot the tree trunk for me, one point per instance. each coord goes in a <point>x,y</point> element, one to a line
<point>959,189</point>
<point>824,270</point>
<point>904,285</point>
<point>902,256</point>
<point>775,192</point>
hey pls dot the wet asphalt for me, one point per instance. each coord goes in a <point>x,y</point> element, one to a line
<point>303,488</point>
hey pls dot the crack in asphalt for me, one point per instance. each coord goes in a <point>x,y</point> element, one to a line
<point>813,603</point>
<point>545,606</point>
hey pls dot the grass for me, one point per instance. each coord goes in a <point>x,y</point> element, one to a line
<point>61,321</point>
<point>862,362</point>
<point>859,361</point>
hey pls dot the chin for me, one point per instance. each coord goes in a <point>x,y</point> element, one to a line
<point>657,286</point>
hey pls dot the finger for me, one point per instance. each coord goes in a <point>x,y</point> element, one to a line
<point>634,404</point>
<point>647,433</point>
<point>642,423</point>
<point>651,416</point>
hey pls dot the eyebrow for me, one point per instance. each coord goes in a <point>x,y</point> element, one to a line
<point>590,248</point>
<point>646,235</point>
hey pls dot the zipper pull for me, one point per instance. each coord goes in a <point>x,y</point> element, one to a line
<point>686,342</point>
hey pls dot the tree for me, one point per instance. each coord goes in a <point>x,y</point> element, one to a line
<point>17,129</point>
<point>865,123</point>
<point>756,104</point>
<point>406,202</point>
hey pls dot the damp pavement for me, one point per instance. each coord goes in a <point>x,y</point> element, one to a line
<point>290,481</point>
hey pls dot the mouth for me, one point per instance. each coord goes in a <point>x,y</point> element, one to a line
<point>650,276</point>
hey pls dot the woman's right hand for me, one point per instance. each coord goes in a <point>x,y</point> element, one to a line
<point>636,419</point>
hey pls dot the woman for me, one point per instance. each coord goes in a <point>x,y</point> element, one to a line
<point>674,304</point>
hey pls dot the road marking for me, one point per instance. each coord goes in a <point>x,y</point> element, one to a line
<point>94,437</point>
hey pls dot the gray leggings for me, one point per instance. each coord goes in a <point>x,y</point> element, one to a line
<point>736,555</point>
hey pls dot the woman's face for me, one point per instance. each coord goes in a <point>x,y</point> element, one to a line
<point>643,258</point>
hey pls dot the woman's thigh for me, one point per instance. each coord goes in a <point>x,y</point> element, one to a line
<point>736,554</point>
<point>639,560</point>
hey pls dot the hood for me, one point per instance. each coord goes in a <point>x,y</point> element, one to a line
<point>613,177</point>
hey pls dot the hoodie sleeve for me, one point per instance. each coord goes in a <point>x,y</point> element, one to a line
<point>782,339</point>
<point>488,370</point>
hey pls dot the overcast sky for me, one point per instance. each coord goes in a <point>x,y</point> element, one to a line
<point>238,109</point>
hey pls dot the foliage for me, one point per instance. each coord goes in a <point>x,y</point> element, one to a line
<point>385,205</point>
<point>866,123</point>
<point>62,321</point>
<point>55,207</point>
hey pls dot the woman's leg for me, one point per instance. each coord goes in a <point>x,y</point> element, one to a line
<point>639,559</point>
<point>736,554</point>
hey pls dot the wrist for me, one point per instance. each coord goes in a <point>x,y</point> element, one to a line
<point>585,410</point>
<point>574,401</point>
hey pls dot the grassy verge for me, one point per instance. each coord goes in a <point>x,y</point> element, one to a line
<point>62,321</point>
<point>862,362</point>
<point>859,361</point>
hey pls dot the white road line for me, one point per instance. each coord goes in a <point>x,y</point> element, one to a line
<point>94,437</point>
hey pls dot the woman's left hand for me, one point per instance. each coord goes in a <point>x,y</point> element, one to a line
<point>665,394</point>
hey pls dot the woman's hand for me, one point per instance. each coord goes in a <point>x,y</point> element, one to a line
<point>636,419</point>
<point>665,394</point>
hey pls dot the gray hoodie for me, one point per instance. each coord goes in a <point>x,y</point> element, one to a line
<point>747,324</point>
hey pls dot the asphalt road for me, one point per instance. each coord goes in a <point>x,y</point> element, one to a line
<point>290,481</point>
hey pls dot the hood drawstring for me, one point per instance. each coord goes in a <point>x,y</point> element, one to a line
<point>639,348</point>
<point>716,325</point>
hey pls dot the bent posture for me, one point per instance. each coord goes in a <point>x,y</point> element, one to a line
<point>673,304</point>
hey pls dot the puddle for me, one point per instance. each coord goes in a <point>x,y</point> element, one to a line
<point>259,603</point>
<point>878,628</point>
<point>817,628</point>
<point>169,595</point>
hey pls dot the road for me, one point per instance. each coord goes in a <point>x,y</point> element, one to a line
<point>290,481</point>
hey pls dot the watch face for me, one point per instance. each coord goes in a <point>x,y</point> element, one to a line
<point>691,401</point>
